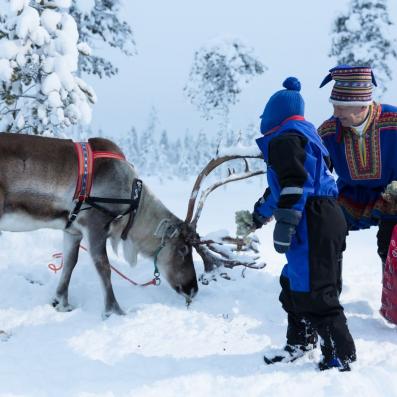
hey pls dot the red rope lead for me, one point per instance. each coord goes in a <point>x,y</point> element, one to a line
<point>53,266</point>
<point>59,255</point>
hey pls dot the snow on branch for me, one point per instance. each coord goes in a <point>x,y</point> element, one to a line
<point>40,91</point>
<point>363,36</point>
<point>220,71</point>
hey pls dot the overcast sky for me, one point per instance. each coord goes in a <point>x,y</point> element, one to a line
<point>290,37</point>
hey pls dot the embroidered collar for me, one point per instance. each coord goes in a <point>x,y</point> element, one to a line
<point>364,126</point>
<point>364,162</point>
<point>373,114</point>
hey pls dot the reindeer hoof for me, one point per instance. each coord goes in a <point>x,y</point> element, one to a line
<point>114,310</point>
<point>61,307</point>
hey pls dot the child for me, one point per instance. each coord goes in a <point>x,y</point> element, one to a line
<point>310,229</point>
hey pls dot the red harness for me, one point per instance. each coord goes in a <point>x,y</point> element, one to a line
<point>86,157</point>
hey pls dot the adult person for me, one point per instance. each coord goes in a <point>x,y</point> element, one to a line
<point>361,138</point>
<point>310,229</point>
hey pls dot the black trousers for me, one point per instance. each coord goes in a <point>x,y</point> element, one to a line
<point>319,310</point>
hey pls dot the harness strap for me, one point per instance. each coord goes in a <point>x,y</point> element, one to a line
<point>133,202</point>
<point>108,155</point>
<point>74,213</point>
<point>85,164</point>
<point>86,157</point>
<point>135,199</point>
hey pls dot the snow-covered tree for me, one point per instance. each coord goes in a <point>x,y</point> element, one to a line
<point>362,37</point>
<point>175,157</point>
<point>202,152</point>
<point>185,167</point>
<point>129,144</point>
<point>218,75</point>
<point>40,92</point>
<point>148,146</point>
<point>164,146</point>
<point>164,149</point>
<point>98,22</point>
<point>249,134</point>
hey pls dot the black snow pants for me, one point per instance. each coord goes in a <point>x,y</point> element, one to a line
<point>319,310</point>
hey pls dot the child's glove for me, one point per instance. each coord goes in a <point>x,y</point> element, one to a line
<point>286,222</point>
<point>258,220</point>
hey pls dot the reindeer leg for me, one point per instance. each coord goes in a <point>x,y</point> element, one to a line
<point>71,245</point>
<point>99,256</point>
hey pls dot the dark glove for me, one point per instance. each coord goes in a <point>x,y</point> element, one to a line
<point>286,222</point>
<point>258,220</point>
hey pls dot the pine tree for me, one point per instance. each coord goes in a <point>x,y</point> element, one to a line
<point>175,158</point>
<point>185,162</point>
<point>40,92</point>
<point>148,146</point>
<point>133,145</point>
<point>98,21</point>
<point>361,37</point>
<point>201,153</point>
<point>163,143</point>
<point>219,72</point>
<point>163,155</point>
<point>130,146</point>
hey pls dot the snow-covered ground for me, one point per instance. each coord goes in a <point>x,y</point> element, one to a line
<point>162,348</point>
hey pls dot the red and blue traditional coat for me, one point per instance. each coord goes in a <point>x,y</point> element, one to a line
<point>364,170</point>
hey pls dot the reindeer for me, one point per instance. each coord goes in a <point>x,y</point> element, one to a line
<point>37,185</point>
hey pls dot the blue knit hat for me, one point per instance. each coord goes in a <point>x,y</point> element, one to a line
<point>283,104</point>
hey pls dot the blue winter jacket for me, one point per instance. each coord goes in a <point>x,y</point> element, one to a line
<point>314,178</point>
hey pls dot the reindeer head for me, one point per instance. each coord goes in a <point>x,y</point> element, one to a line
<point>175,257</point>
<point>176,238</point>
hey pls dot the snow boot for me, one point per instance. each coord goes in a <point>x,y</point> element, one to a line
<point>341,365</point>
<point>287,354</point>
<point>330,359</point>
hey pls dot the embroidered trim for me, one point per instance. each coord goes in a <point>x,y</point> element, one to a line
<point>369,165</point>
<point>356,210</point>
<point>387,120</point>
<point>369,210</point>
<point>327,128</point>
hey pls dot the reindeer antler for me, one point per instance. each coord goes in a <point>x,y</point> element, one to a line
<point>225,251</point>
<point>214,163</point>
<point>216,254</point>
<point>231,178</point>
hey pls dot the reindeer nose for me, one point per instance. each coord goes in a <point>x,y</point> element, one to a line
<point>188,290</point>
<point>193,291</point>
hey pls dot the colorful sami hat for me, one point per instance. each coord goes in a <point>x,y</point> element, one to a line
<point>353,85</point>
